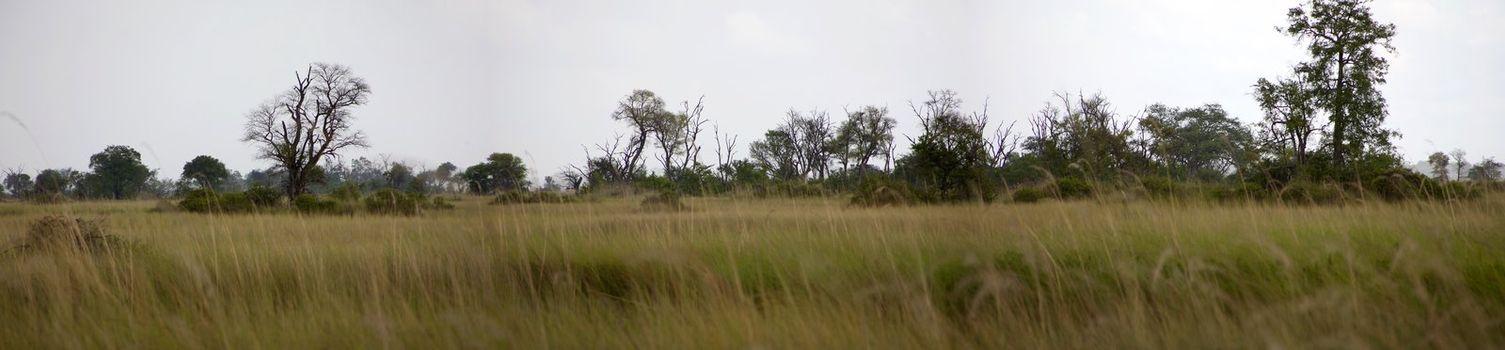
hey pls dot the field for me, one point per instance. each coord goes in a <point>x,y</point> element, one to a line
<point>785,273</point>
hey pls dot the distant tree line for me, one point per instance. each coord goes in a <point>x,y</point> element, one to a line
<point>1323,123</point>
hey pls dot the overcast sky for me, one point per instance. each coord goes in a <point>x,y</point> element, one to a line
<point>456,80</point>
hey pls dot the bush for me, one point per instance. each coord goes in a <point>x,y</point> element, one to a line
<point>311,204</point>
<point>389,201</point>
<point>1073,188</point>
<point>208,201</point>
<point>441,203</point>
<point>1406,185</point>
<point>655,183</point>
<point>878,191</point>
<point>348,192</point>
<point>1306,192</point>
<point>1160,186</point>
<point>790,189</point>
<point>263,197</point>
<point>506,198</point>
<point>1238,192</point>
<point>1028,195</point>
<point>665,201</point>
<point>53,233</point>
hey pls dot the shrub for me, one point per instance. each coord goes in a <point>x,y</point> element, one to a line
<point>348,192</point>
<point>441,203</point>
<point>790,189</point>
<point>1028,195</point>
<point>655,183</point>
<point>311,204</point>
<point>878,191</point>
<point>263,197</point>
<point>1306,192</point>
<point>506,198</point>
<point>1160,186</point>
<point>1238,192</point>
<point>1073,188</point>
<point>1405,184</point>
<point>208,201</point>
<point>389,201</point>
<point>62,232</point>
<point>664,201</point>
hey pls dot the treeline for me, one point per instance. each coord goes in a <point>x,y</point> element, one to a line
<point>1322,136</point>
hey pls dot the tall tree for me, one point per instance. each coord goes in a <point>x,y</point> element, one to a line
<point>777,155</point>
<point>644,113</point>
<point>308,123</point>
<point>206,172</point>
<point>1439,162</point>
<point>1460,161</point>
<point>865,135</point>
<point>1345,43</point>
<point>52,182</point>
<point>1290,117</point>
<point>118,172</point>
<point>18,183</point>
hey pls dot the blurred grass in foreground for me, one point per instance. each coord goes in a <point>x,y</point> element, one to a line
<point>770,274</point>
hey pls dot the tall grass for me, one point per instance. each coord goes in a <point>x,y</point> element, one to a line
<point>808,273</point>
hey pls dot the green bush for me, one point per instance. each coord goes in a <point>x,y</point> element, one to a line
<point>878,191</point>
<point>1408,185</point>
<point>441,203</point>
<point>1160,186</point>
<point>1306,192</point>
<point>665,201</point>
<point>208,201</point>
<point>790,189</point>
<point>1028,195</point>
<point>1237,192</point>
<point>348,192</point>
<point>389,201</point>
<point>506,198</point>
<point>655,183</point>
<point>311,204</point>
<point>1073,188</point>
<point>263,197</point>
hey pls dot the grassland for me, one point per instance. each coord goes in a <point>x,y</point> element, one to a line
<point>769,274</point>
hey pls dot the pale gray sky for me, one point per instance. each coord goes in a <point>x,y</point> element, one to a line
<point>456,80</point>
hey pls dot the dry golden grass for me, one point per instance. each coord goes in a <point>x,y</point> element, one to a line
<point>769,274</point>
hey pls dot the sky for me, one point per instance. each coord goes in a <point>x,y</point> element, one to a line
<point>457,80</point>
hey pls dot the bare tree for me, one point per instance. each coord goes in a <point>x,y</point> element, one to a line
<point>309,122</point>
<point>691,123</point>
<point>1460,161</point>
<point>726,146</point>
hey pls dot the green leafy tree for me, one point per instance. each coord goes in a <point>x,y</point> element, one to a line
<point>117,172</point>
<point>310,122</point>
<point>777,155</point>
<point>1486,171</point>
<point>950,161</point>
<point>1439,162</point>
<point>18,184</point>
<point>644,112</point>
<point>868,133</point>
<point>1196,143</point>
<point>500,172</point>
<point>52,182</point>
<point>1084,136</point>
<point>206,172</point>
<point>1345,72</point>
